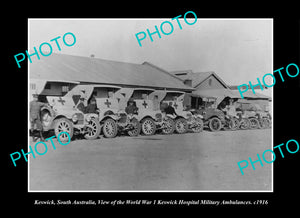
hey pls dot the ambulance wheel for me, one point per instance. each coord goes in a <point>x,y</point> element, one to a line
<point>244,124</point>
<point>148,126</point>
<point>110,128</point>
<point>63,125</point>
<point>215,124</point>
<point>254,123</point>
<point>199,125</point>
<point>233,123</point>
<point>93,130</point>
<point>181,125</point>
<point>169,126</point>
<point>265,122</point>
<point>269,123</point>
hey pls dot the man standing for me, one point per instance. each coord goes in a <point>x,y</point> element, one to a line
<point>35,119</point>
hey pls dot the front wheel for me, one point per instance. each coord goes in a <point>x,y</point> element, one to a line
<point>110,128</point>
<point>215,124</point>
<point>93,129</point>
<point>233,123</point>
<point>148,126</point>
<point>244,124</point>
<point>268,123</point>
<point>63,125</point>
<point>264,123</point>
<point>254,123</point>
<point>181,125</point>
<point>198,125</point>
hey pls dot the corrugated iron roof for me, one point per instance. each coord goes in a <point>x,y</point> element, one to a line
<point>94,70</point>
<point>250,94</point>
<point>197,77</point>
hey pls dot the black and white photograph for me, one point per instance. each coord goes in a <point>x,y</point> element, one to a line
<point>177,104</point>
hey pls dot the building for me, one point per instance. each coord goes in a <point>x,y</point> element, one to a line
<point>206,84</point>
<point>209,84</point>
<point>250,98</point>
<point>57,74</point>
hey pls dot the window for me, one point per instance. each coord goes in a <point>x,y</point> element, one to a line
<point>65,88</point>
<point>48,86</point>
<point>209,82</point>
<point>32,86</point>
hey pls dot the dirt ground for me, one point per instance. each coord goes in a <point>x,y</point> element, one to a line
<point>205,161</point>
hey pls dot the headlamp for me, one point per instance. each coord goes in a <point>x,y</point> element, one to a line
<point>74,118</point>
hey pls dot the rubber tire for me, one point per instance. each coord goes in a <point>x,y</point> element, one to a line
<point>256,126</point>
<point>114,133</point>
<point>269,123</point>
<point>172,126</point>
<point>146,121</point>
<point>247,124</point>
<point>235,123</point>
<point>210,124</point>
<point>94,122</point>
<point>184,122</point>
<point>60,125</point>
<point>198,129</point>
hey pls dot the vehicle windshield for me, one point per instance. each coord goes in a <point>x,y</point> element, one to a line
<point>208,103</point>
<point>140,94</point>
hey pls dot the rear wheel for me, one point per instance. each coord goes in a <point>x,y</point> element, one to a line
<point>110,128</point>
<point>198,125</point>
<point>63,125</point>
<point>254,123</point>
<point>233,123</point>
<point>215,124</point>
<point>268,122</point>
<point>148,126</point>
<point>93,130</point>
<point>181,125</point>
<point>169,126</point>
<point>244,124</point>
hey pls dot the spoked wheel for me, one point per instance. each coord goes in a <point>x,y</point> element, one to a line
<point>110,128</point>
<point>233,123</point>
<point>148,126</point>
<point>215,124</point>
<point>268,123</point>
<point>181,125</point>
<point>244,124</point>
<point>169,126</point>
<point>198,125</point>
<point>254,123</point>
<point>63,125</point>
<point>135,131</point>
<point>93,129</point>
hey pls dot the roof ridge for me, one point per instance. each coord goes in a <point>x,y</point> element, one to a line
<point>96,58</point>
<point>163,70</point>
<point>95,70</point>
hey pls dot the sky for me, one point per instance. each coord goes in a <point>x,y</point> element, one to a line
<point>238,50</point>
